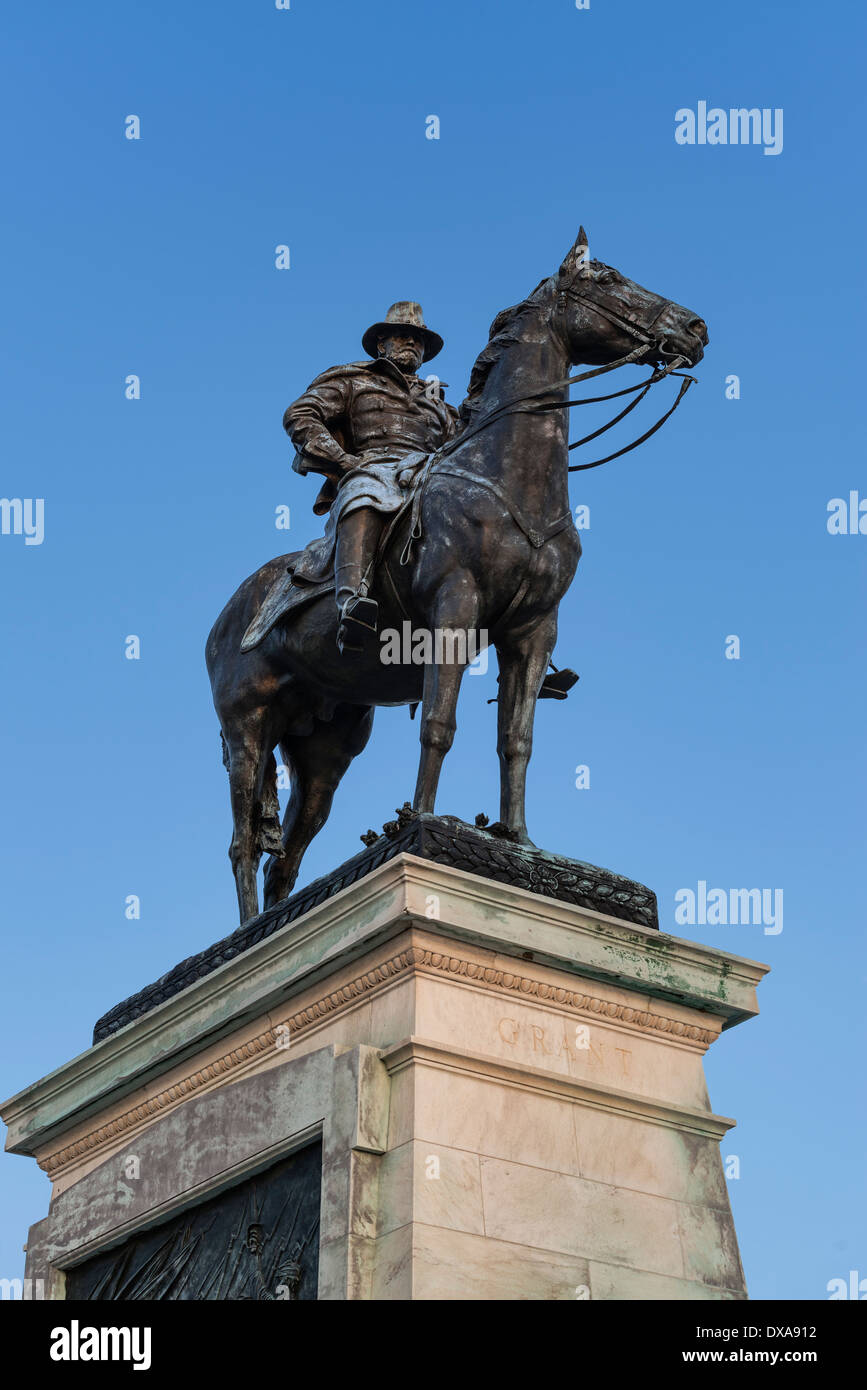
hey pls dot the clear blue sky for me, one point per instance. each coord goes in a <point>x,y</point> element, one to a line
<point>156,257</point>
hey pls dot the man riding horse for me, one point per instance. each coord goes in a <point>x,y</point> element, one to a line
<point>494,549</point>
<point>367,426</point>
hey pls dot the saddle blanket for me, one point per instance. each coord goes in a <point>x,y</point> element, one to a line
<point>383,483</point>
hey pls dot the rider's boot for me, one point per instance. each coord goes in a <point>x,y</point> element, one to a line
<point>357,535</point>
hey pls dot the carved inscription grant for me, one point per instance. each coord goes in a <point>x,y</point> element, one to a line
<point>564,1038</point>
<point>256,1241</point>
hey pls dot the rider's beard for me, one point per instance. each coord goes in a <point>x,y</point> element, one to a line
<point>407,361</point>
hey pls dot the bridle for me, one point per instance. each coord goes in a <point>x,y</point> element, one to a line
<point>535,403</point>
<point>603,306</point>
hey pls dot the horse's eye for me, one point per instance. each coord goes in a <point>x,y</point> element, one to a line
<point>607,279</point>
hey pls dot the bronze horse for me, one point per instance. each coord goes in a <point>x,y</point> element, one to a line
<point>496,551</point>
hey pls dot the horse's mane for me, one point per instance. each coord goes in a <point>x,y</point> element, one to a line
<point>503,332</point>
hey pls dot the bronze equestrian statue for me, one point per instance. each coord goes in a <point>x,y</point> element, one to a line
<point>485,542</point>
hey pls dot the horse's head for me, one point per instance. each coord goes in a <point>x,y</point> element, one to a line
<point>603,316</point>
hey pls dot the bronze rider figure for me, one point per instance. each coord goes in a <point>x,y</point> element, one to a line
<point>367,426</point>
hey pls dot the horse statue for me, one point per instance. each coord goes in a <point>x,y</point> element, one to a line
<point>492,549</point>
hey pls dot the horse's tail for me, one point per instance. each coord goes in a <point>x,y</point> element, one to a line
<point>269,834</point>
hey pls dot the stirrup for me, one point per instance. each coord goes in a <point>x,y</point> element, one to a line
<point>358,623</point>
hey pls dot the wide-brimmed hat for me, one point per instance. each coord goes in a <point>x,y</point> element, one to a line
<point>404,314</point>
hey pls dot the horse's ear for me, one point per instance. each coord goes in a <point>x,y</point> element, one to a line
<point>577,261</point>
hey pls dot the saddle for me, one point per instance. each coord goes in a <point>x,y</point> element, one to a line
<point>287,594</point>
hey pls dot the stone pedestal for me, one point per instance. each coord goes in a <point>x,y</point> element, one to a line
<point>508,1092</point>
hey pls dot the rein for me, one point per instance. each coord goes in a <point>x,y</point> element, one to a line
<point>524,404</point>
<point>648,339</point>
<point>627,449</point>
<point>534,403</point>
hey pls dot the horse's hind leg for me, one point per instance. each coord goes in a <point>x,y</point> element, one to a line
<point>317,762</point>
<point>247,753</point>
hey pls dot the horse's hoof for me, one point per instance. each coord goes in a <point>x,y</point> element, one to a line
<point>503,832</point>
<point>273,896</point>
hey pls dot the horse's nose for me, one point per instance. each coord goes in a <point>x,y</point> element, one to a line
<point>698,327</point>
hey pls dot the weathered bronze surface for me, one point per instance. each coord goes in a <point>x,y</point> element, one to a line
<point>259,1240</point>
<point>480,849</point>
<point>494,552</point>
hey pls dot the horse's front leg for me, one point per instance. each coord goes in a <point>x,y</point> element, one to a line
<point>523,661</point>
<point>454,617</point>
